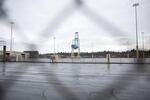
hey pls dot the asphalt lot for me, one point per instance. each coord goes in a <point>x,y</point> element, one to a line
<point>45,81</point>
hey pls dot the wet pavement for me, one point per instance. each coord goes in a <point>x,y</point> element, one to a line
<point>45,81</point>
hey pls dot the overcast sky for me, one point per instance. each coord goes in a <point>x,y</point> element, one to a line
<point>102,24</point>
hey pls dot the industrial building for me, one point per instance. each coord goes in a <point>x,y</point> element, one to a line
<point>14,56</point>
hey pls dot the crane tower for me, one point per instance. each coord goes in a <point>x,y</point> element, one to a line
<point>75,46</point>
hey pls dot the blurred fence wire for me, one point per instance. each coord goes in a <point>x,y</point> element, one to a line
<point>67,94</point>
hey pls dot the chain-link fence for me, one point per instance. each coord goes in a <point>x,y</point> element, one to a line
<point>78,81</point>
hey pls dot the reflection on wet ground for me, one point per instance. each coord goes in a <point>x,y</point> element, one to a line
<point>45,81</point>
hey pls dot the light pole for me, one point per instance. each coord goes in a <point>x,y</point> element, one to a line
<point>128,51</point>
<point>136,26</point>
<point>54,44</point>
<point>143,42</point>
<point>92,51</point>
<point>11,32</point>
